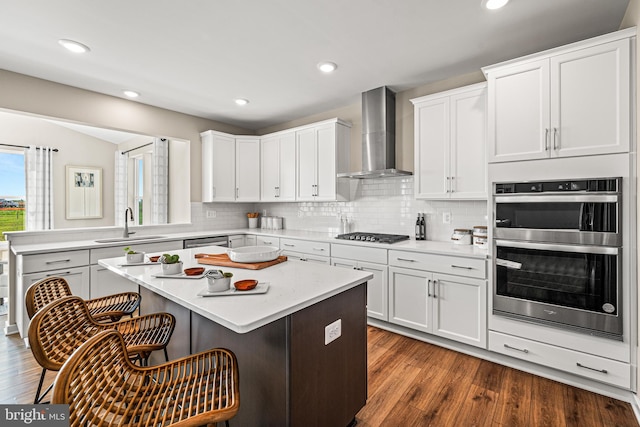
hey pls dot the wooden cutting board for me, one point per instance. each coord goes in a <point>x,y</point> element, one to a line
<point>224,261</point>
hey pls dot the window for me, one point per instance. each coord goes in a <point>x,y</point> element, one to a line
<point>138,196</point>
<point>12,191</point>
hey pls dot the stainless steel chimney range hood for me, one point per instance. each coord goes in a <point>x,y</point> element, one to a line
<point>378,136</point>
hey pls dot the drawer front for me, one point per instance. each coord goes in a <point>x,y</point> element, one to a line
<point>267,241</point>
<point>306,246</point>
<point>118,251</point>
<point>586,365</point>
<point>458,266</point>
<point>376,255</point>
<point>301,256</point>
<point>54,261</point>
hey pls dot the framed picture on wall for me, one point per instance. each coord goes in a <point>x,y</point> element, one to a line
<point>84,192</point>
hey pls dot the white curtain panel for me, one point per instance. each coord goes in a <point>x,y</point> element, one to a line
<point>39,183</point>
<point>160,181</point>
<point>120,190</point>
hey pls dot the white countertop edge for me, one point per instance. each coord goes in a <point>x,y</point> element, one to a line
<point>427,246</point>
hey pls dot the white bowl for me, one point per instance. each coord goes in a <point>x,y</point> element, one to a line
<point>219,285</point>
<point>134,258</point>
<point>175,268</point>
<point>253,253</point>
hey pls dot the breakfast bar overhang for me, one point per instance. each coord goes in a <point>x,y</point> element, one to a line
<point>288,375</point>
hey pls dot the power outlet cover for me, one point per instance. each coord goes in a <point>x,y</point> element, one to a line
<point>332,331</point>
<point>211,214</point>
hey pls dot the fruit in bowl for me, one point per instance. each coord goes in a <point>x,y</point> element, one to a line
<point>154,258</point>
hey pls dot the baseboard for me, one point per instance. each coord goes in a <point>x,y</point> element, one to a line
<point>10,329</point>
<point>635,405</point>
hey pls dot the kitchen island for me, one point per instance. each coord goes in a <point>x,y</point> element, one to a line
<point>288,375</point>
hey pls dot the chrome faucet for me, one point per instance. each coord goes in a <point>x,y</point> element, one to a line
<point>126,223</point>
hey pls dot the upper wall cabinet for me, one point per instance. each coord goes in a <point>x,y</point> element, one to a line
<point>450,144</point>
<point>569,101</point>
<point>322,152</point>
<point>230,168</point>
<point>278,183</point>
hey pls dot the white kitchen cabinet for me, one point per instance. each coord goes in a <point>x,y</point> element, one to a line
<point>230,168</point>
<point>237,241</point>
<point>218,167</point>
<point>306,250</point>
<point>267,241</point>
<point>322,151</point>
<point>450,144</point>
<point>570,101</point>
<point>278,167</point>
<point>447,305</point>
<point>247,158</point>
<point>374,261</point>
<point>72,265</point>
<point>250,240</point>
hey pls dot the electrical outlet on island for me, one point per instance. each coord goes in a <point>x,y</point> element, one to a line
<point>332,331</point>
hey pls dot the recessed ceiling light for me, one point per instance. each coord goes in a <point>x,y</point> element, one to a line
<point>327,67</point>
<point>242,101</point>
<point>131,93</point>
<point>74,46</point>
<point>494,4</point>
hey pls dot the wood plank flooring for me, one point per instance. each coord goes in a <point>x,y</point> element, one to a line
<point>412,383</point>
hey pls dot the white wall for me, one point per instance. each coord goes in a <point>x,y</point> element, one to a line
<point>75,149</point>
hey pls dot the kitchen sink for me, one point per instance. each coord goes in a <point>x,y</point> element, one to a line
<point>128,239</point>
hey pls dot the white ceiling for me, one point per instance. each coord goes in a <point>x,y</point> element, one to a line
<point>197,56</point>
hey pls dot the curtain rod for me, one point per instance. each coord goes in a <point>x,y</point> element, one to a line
<point>24,146</point>
<point>144,145</point>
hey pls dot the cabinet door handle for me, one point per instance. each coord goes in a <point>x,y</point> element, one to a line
<point>62,273</point>
<point>428,287</point>
<point>237,190</point>
<point>524,350</point>
<point>58,261</point>
<point>266,243</point>
<point>448,185</point>
<point>580,365</point>
<point>453,184</point>
<point>213,192</point>
<point>461,266</point>
<point>555,140</point>
<point>406,259</point>
<point>435,282</point>
<point>318,249</point>
<point>288,244</point>
<point>546,139</point>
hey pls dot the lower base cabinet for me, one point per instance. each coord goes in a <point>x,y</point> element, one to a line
<point>586,365</point>
<point>448,306</point>
<point>377,301</point>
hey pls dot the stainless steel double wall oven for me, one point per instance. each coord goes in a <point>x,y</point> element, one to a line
<point>557,248</point>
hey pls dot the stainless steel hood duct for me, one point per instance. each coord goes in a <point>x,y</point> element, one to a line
<point>378,136</point>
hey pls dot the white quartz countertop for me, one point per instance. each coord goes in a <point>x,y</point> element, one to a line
<point>293,286</point>
<point>426,246</point>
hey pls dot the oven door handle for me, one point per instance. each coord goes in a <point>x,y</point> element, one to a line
<point>604,250</point>
<point>558,198</point>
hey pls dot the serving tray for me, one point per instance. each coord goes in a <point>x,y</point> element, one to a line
<point>131,264</point>
<point>224,261</point>
<point>261,288</point>
<point>179,276</point>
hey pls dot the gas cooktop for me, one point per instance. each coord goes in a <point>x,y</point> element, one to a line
<point>373,237</point>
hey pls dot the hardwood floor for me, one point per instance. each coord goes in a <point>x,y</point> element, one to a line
<point>412,383</point>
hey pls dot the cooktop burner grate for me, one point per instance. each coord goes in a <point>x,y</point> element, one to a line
<point>373,237</point>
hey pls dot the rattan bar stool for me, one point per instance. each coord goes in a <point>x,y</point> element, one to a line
<point>62,326</point>
<point>102,387</point>
<point>109,308</point>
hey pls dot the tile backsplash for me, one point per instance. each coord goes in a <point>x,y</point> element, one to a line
<point>377,205</point>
